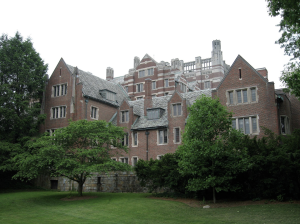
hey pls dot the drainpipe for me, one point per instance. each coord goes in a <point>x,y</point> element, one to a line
<point>86,104</point>
<point>147,151</point>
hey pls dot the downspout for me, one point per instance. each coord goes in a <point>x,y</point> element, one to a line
<point>147,150</point>
<point>86,104</point>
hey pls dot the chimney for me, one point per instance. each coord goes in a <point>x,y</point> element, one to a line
<point>109,73</point>
<point>136,61</point>
<point>148,97</point>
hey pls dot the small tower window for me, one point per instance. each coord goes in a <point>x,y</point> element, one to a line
<point>240,73</point>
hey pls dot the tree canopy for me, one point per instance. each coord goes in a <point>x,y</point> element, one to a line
<point>22,81</point>
<point>75,151</point>
<point>289,11</point>
<point>211,154</point>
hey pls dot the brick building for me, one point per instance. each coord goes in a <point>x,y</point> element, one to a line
<point>151,101</point>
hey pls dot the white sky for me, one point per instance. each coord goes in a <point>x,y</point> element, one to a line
<point>94,35</point>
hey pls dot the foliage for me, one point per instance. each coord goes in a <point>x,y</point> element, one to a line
<point>75,151</point>
<point>211,153</point>
<point>163,173</point>
<point>22,80</point>
<point>289,10</point>
<point>275,169</point>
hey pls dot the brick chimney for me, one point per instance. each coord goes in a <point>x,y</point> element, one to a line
<point>148,97</point>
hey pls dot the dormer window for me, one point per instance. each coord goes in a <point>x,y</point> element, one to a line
<point>109,95</point>
<point>155,113</point>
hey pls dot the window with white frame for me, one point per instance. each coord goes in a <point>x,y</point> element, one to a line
<point>59,90</point>
<point>134,160</point>
<point>284,125</point>
<point>125,141</point>
<point>141,73</point>
<point>126,89</point>
<point>177,109</point>
<point>207,85</point>
<point>241,96</point>
<point>58,112</point>
<point>247,125</point>
<point>150,71</point>
<point>176,135</point>
<point>114,158</point>
<point>124,116</point>
<point>135,139</point>
<point>154,85</point>
<point>140,87</point>
<point>163,136</point>
<point>166,82</point>
<point>93,112</point>
<point>50,131</point>
<point>124,160</point>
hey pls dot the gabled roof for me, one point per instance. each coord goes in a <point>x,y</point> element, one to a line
<point>253,69</point>
<point>148,56</point>
<point>92,84</point>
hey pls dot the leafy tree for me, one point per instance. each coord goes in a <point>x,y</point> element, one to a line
<point>289,10</point>
<point>161,173</point>
<point>22,80</point>
<point>75,151</point>
<point>211,153</point>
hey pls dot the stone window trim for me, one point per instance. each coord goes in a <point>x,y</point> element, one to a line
<point>124,160</point>
<point>285,128</point>
<point>175,129</point>
<point>133,160</point>
<point>135,133</point>
<point>250,123</point>
<point>51,131</point>
<point>207,85</point>
<point>114,158</point>
<point>166,83</point>
<point>158,157</point>
<point>235,97</point>
<point>125,140</point>
<point>153,85</point>
<point>145,72</point>
<point>58,112</point>
<point>176,113</point>
<point>59,90</point>
<point>163,140</point>
<point>94,112</point>
<point>140,87</point>
<point>124,118</point>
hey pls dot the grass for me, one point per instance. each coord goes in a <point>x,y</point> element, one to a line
<point>46,207</point>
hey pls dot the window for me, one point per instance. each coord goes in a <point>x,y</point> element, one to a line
<point>177,109</point>
<point>125,140</point>
<point>94,112</point>
<point>124,116</point>
<point>207,85</point>
<point>109,95</point>
<point>142,74</point>
<point>240,96</point>
<point>114,159</point>
<point>134,160</point>
<point>59,90</point>
<point>140,87</point>
<point>159,157</point>
<point>154,113</point>
<point>124,160</point>
<point>240,73</point>
<point>166,82</point>
<point>247,125</point>
<point>139,98</point>
<point>163,136</point>
<point>126,89</point>
<point>135,138</point>
<point>153,85</point>
<point>182,87</point>
<point>50,131</point>
<point>177,135</point>
<point>284,125</point>
<point>58,112</point>
<point>150,71</point>
<point>166,93</point>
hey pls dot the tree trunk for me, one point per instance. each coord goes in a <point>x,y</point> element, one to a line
<point>80,187</point>
<point>214,194</point>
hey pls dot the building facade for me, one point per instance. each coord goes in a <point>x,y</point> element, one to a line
<point>151,101</point>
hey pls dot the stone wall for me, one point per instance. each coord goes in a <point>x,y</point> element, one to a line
<point>109,182</point>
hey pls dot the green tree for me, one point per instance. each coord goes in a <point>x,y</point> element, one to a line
<point>211,153</point>
<point>22,81</point>
<point>75,151</point>
<point>289,10</point>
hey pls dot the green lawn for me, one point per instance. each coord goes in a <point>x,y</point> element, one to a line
<point>46,207</point>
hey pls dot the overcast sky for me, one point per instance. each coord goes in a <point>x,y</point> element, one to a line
<point>94,35</point>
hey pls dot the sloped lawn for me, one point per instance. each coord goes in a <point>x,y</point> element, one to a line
<point>47,207</point>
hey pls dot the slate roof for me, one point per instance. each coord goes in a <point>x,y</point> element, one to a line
<point>92,84</point>
<point>118,80</point>
<point>160,102</point>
